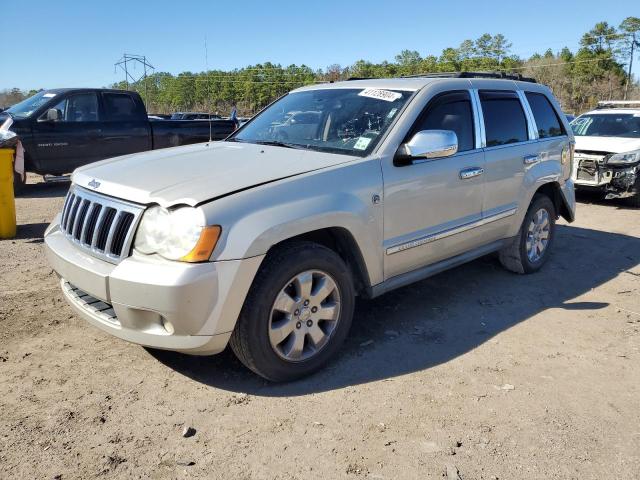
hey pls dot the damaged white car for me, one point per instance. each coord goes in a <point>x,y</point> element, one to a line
<point>607,156</point>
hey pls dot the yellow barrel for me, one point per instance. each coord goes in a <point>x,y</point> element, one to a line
<point>7,200</point>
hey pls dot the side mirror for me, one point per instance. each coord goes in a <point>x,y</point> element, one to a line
<point>430,144</point>
<point>52,115</point>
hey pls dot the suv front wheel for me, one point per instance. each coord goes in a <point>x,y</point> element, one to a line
<point>297,313</point>
<point>530,249</point>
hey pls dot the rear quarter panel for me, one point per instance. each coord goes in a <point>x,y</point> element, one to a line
<point>550,169</point>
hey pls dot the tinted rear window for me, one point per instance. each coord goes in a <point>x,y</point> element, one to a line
<point>504,118</point>
<point>545,116</point>
<point>119,106</point>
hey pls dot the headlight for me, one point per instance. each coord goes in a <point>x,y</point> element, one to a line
<point>624,158</point>
<point>179,234</point>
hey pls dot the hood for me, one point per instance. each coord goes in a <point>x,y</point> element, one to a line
<point>607,144</point>
<point>197,173</point>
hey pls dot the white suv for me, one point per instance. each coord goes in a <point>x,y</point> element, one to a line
<point>607,156</point>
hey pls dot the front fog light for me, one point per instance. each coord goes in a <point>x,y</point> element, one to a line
<point>168,326</point>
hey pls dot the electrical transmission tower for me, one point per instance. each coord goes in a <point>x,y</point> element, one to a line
<point>130,62</point>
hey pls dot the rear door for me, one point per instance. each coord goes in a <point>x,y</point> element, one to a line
<point>430,206</point>
<point>510,144</point>
<point>552,136</point>
<point>70,140</point>
<point>126,126</point>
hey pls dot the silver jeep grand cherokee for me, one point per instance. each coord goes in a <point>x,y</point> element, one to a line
<point>336,190</point>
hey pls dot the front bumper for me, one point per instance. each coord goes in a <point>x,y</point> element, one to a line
<point>616,181</point>
<point>190,308</point>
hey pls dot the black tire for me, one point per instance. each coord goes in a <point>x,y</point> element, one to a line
<point>18,183</point>
<point>634,202</point>
<point>250,338</point>
<point>514,256</point>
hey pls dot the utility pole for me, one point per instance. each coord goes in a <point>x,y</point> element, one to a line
<point>124,64</point>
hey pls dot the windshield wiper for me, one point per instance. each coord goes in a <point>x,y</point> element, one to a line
<point>276,143</point>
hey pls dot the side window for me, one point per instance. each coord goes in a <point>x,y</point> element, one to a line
<point>545,115</point>
<point>119,106</point>
<point>450,111</point>
<point>504,118</point>
<point>82,107</point>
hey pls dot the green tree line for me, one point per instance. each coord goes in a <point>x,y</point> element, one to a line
<point>595,71</point>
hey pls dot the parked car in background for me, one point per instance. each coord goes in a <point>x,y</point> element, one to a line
<point>569,117</point>
<point>159,116</point>
<point>194,116</point>
<point>64,129</point>
<point>607,156</point>
<point>264,240</point>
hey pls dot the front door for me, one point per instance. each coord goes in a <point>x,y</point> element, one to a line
<point>431,205</point>
<point>70,138</point>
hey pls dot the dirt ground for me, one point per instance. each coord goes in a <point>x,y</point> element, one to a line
<point>476,372</point>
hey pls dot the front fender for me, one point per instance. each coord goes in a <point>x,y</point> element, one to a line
<point>256,219</point>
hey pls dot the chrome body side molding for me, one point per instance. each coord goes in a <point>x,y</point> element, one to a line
<point>452,231</point>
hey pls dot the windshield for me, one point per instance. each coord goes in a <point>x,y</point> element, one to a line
<point>608,125</point>
<point>348,121</point>
<point>26,107</point>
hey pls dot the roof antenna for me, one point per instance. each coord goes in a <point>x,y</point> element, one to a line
<point>206,66</point>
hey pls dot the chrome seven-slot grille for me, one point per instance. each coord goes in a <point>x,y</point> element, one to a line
<point>100,225</point>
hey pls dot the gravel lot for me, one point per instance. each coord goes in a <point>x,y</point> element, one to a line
<point>476,371</point>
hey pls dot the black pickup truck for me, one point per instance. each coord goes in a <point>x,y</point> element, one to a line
<point>64,129</point>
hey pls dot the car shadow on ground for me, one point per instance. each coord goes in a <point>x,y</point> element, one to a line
<point>440,318</point>
<point>594,198</point>
<point>31,231</point>
<point>44,190</point>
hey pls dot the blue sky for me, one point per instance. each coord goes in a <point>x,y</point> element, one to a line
<point>76,42</point>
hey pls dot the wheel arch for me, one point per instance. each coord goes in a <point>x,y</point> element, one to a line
<point>553,190</point>
<point>341,241</point>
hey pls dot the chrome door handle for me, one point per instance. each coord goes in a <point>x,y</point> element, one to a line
<point>471,172</point>
<point>530,159</point>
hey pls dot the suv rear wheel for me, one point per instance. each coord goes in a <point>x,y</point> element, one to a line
<point>634,201</point>
<point>530,249</point>
<point>297,313</point>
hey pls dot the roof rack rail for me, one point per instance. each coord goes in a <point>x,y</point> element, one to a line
<point>618,104</point>
<point>499,75</point>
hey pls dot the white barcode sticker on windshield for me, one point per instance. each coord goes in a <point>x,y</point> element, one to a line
<point>362,143</point>
<point>386,95</point>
